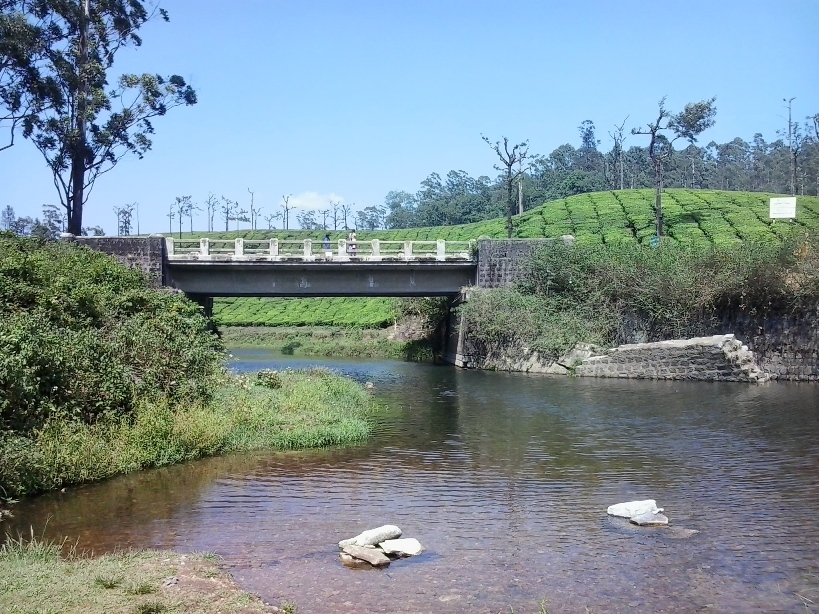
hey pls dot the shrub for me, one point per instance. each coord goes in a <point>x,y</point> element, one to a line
<point>82,336</point>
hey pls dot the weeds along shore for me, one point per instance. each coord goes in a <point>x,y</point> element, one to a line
<point>327,341</point>
<point>284,410</point>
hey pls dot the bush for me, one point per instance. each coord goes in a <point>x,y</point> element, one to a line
<point>82,336</point>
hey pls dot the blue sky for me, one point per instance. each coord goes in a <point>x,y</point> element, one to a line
<point>351,99</point>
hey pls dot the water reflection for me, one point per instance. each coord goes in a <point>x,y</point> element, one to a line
<point>505,478</point>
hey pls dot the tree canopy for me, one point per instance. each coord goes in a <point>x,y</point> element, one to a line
<point>55,60</point>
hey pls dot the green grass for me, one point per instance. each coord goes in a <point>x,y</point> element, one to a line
<point>311,408</point>
<point>692,218</point>
<point>326,341</point>
<point>41,576</point>
<point>338,312</point>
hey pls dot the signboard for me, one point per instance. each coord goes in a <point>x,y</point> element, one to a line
<point>783,207</point>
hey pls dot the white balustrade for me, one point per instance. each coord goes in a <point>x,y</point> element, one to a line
<point>308,250</point>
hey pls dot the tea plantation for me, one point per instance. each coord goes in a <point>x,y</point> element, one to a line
<point>691,217</point>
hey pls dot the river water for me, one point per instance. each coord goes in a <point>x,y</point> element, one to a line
<point>505,479</point>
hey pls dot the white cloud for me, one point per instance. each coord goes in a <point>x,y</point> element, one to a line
<point>313,201</point>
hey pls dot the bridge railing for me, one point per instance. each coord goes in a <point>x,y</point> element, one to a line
<point>308,250</point>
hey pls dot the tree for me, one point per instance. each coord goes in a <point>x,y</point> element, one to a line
<point>211,203</point>
<point>54,220</point>
<point>124,214</point>
<point>334,205</point>
<point>509,158</point>
<point>228,210</point>
<point>24,43</point>
<point>286,208</point>
<point>307,219</point>
<point>240,215</point>
<point>81,125</point>
<point>346,210</point>
<point>7,218</point>
<point>254,213</point>
<point>403,209</point>
<point>619,138</point>
<point>695,118</point>
<point>271,218</point>
<point>324,213</point>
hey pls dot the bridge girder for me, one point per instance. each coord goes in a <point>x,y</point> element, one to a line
<point>300,279</point>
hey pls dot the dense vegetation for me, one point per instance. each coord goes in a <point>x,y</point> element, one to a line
<point>82,337</point>
<point>693,217</point>
<point>101,374</point>
<point>601,294</point>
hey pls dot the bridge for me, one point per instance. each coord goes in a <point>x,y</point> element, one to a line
<point>284,268</point>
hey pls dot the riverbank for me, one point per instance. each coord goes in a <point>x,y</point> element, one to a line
<point>276,411</point>
<point>36,576</point>
<point>329,341</point>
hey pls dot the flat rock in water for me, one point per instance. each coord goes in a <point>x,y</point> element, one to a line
<point>409,546</point>
<point>371,555</point>
<point>679,533</point>
<point>371,537</point>
<point>649,520</point>
<point>633,508</point>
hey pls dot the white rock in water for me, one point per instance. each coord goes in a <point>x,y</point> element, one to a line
<point>409,546</point>
<point>634,508</point>
<point>372,537</point>
<point>649,520</point>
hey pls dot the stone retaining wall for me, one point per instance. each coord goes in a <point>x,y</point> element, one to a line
<point>501,261</point>
<point>144,253</point>
<point>716,358</point>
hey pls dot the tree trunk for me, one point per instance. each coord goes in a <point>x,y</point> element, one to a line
<point>658,203</point>
<point>79,145</point>
<point>510,203</point>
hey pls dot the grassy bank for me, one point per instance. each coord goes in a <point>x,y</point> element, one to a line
<point>280,411</point>
<point>326,341</point>
<point>34,577</point>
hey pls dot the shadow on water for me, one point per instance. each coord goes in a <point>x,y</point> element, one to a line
<point>505,478</point>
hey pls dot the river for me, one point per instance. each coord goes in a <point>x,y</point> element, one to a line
<point>505,479</point>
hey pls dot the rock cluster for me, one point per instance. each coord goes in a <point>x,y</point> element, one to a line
<point>643,513</point>
<point>379,546</point>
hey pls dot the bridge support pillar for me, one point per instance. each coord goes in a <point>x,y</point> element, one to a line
<point>204,301</point>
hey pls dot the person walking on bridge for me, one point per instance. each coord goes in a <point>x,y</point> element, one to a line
<point>351,244</point>
<point>328,252</point>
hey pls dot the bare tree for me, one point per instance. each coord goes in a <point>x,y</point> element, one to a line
<point>334,205</point>
<point>271,218</point>
<point>324,213</point>
<point>286,208</point>
<point>688,123</point>
<point>211,202</point>
<point>509,158</point>
<point>240,216</point>
<point>254,213</point>
<point>184,208</point>
<point>619,138</point>
<point>171,216</point>
<point>346,210</point>
<point>228,209</point>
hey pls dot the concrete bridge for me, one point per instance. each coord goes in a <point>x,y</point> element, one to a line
<point>278,268</point>
<point>206,268</point>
